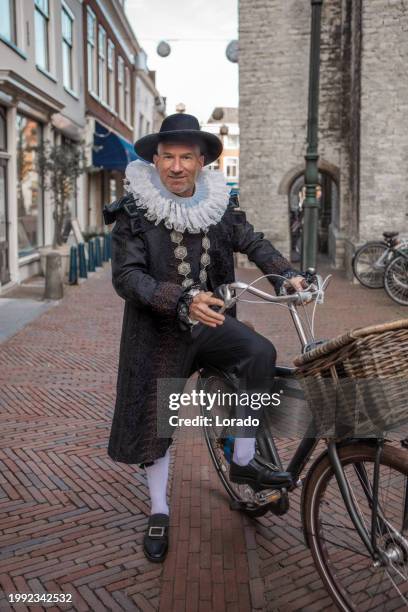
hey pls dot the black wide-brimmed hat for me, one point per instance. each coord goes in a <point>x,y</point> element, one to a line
<point>180,128</point>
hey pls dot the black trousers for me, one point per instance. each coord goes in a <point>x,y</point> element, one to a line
<point>234,348</point>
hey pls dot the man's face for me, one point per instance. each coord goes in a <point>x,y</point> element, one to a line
<point>178,166</point>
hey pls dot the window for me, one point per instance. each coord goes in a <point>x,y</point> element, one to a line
<point>91,50</point>
<point>231,167</point>
<point>232,141</point>
<point>111,74</point>
<point>41,24</point>
<point>8,20</point>
<point>121,78</point>
<point>29,186</point>
<point>102,64</point>
<point>214,166</point>
<point>127,95</point>
<point>67,43</point>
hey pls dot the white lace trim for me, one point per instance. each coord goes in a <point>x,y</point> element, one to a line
<point>198,212</point>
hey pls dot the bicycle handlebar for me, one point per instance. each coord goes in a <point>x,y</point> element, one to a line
<point>228,294</point>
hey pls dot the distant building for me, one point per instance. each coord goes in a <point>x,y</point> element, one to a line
<point>224,123</point>
<point>121,101</point>
<point>151,106</point>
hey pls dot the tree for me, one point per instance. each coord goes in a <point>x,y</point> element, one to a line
<point>60,165</point>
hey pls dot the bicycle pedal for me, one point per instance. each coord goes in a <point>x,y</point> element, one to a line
<point>268,497</point>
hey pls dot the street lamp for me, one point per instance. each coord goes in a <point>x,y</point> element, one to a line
<point>311,204</point>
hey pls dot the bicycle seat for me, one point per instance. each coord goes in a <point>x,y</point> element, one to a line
<point>390,234</point>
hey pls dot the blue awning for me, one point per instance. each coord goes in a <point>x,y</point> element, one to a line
<point>110,150</point>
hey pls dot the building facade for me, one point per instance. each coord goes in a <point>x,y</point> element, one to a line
<point>363,137</point>
<point>41,99</point>
<point>69,72</point>
<point>224,123</point>
<point>121,101</point>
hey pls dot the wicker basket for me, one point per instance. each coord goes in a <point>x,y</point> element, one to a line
<point>356,384</point>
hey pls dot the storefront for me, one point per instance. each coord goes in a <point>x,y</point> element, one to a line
<point>111,153</point>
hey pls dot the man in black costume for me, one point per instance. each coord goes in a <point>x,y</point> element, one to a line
<point>172,244</point>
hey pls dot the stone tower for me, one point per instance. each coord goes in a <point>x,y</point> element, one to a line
<point>363,117</point>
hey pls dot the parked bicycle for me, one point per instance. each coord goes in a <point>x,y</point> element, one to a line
<point>354,505</point>
<point>371,259</point>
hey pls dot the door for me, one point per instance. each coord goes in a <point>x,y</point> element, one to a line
<point>4,245</point>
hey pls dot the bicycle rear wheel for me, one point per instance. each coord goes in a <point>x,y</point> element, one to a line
<point>368,265</point>
<point>396,280</point>
<point>343,562</point>
<point>220,447</point>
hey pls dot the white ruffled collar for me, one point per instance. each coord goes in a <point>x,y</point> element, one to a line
<point>196,213</point>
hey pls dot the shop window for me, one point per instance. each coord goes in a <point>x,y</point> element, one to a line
<point>29,185</point>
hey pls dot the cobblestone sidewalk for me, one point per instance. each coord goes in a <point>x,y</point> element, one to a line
<point>72,520</point>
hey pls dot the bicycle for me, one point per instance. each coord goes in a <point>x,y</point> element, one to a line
<point>371,259</point>
<point>396,278</point>
<point>354,504</point>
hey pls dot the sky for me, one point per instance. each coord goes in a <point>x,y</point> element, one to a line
<point>197,71</point>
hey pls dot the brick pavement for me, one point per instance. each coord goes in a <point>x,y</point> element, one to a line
<point>72,520</point>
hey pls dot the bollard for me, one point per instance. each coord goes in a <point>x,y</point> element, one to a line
<point>98,256</point>
<point>104,248</point>
<point>82,261</point>
<point>73,266</point>
<point>54,289</point>
<point>91,258</point>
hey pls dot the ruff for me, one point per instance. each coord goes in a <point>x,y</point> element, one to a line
<point>195,213</point>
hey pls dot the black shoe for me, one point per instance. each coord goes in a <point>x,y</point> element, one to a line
<point>156,539</point>
<point>259,474</point>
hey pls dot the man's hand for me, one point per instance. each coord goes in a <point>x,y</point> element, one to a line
<point>200,309</point>
<point>297,283</point>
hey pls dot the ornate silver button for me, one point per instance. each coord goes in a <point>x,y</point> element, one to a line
<point>176,236</point>
<point>205,259</point>
<point>180,252</point>
<point>184,268</point>
<point>203,276</point>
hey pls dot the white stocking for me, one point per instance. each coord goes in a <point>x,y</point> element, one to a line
<point>244,450</point>
<point>157,476</point>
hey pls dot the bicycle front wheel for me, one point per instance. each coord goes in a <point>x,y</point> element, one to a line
<point>396,280</point>
<point>343,562</point>
<point>369,264</point>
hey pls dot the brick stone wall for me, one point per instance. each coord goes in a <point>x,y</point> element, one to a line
<point>363,139</point>
<point>384,123</point>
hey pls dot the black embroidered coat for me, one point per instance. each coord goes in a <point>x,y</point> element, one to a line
<point>153,345</point>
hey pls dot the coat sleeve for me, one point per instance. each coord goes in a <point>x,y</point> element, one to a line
<point>258,249</point>
<point>129,272</point>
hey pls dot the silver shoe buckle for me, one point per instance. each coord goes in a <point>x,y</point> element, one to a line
<point>156,531</point>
